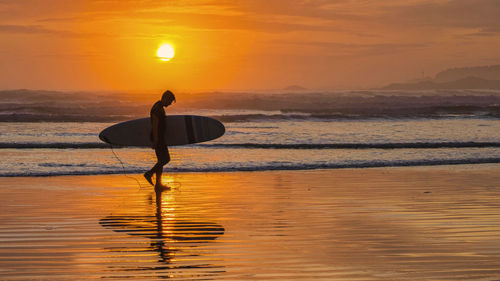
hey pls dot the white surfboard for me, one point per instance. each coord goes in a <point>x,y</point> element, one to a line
<point>180,129</point>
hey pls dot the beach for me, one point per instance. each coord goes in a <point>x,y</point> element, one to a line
<point>397,223</point>
<point>298,140</point>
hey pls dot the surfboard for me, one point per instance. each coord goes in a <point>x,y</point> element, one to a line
<point>180,130</point>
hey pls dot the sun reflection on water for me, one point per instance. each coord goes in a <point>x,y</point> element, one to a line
<point>173,237</point>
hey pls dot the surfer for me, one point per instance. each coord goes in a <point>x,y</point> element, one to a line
<point>157,115</point>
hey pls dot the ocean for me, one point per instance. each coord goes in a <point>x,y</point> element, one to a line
<point>47,133</point>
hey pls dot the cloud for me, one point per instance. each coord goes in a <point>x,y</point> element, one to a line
<point>263,16</point>
<point>274,15</point>
<point>452,14</point>
<point>367,49</point>
<point>24,29</point>
<point>485,32</point>
<point>385,16</point>
<point>38,29</point>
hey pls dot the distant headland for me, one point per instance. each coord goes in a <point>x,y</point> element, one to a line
<point>295,88</point>
<point>478,77</point>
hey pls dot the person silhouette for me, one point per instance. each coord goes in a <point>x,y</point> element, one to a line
<point>158,127</point>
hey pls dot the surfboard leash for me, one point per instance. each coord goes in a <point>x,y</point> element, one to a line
<point>123,166</point>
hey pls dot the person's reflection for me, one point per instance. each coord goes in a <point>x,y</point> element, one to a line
<point>162,231</point>
<point>157,244</point>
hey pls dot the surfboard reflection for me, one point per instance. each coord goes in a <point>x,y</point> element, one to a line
<point>170,237</point>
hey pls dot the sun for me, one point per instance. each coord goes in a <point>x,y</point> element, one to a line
<point>165,52</point>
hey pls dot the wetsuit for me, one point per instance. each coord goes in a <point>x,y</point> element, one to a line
<point>160,148</point>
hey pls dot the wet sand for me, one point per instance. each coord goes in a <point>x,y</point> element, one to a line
<point>425,223</point>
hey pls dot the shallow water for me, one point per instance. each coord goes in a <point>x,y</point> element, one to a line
<point>44,149</point>
<point>369,224</point>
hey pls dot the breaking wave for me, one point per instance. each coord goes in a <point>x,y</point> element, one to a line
<point>416,145</point>
<point>356,145</point>
<point>43,106</point>
<point>276,167</point>
<point>56,145</point>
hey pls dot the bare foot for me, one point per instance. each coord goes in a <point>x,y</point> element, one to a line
<point>161,187</point>
<point>148,176</point>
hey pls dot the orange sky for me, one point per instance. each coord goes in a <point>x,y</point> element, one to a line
<point>253,44</point>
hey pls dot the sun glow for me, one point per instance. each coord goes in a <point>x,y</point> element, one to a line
<point>165,52</point>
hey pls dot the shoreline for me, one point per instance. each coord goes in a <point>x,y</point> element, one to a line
<point>479,165</point>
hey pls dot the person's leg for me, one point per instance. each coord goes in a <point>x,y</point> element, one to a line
<point>163,158</point>
<point>159,172</point>
<point>149,174</point>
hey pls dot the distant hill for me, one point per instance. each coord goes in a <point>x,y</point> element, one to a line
<point>294,88</point>
<point>480,77</point>
<point>484,72</point>
<point>465,83</point>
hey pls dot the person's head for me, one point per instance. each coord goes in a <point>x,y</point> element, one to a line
<point>167,98</point>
